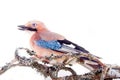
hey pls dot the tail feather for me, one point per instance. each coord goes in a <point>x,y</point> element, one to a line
<point>90,64</point>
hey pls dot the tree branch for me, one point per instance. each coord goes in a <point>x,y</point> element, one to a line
<point>113,71</point>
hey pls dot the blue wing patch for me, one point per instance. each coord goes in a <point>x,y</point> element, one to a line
<point>54,44</point>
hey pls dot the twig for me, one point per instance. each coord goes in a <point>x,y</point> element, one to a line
<point>52,71</point>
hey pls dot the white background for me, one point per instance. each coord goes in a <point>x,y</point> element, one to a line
<point>93,24</point>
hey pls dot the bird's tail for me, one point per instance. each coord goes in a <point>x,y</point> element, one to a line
<point>90,64</point>
<point>88,60</point>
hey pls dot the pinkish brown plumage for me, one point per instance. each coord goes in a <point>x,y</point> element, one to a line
<point>47,43</point>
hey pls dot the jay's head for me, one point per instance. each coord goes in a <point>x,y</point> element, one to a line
<point>33,26</point>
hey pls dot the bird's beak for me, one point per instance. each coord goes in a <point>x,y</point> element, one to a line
<point>23,27</point>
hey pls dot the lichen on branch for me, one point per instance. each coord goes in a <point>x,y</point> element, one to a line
<point>113,71</point>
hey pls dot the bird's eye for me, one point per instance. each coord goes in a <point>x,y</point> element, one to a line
<point>34,24</point>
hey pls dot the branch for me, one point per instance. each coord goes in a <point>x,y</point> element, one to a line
<point>113,71</point>
<point>50,71</point>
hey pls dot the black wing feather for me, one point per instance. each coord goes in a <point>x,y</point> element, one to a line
<point>77,47</point>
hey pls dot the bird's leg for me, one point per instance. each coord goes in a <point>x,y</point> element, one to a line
<point>49,57</point>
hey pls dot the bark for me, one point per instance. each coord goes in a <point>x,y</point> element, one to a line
<point>52,71</point>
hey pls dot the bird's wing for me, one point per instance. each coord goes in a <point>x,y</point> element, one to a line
<point>63,46</point>
<point>75,49</point>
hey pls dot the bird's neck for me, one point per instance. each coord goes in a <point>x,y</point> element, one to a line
<point>35,36</point>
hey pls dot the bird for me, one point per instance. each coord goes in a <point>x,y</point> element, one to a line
<point>47,44</point>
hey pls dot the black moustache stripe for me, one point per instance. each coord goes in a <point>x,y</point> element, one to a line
<point>31,29</point>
